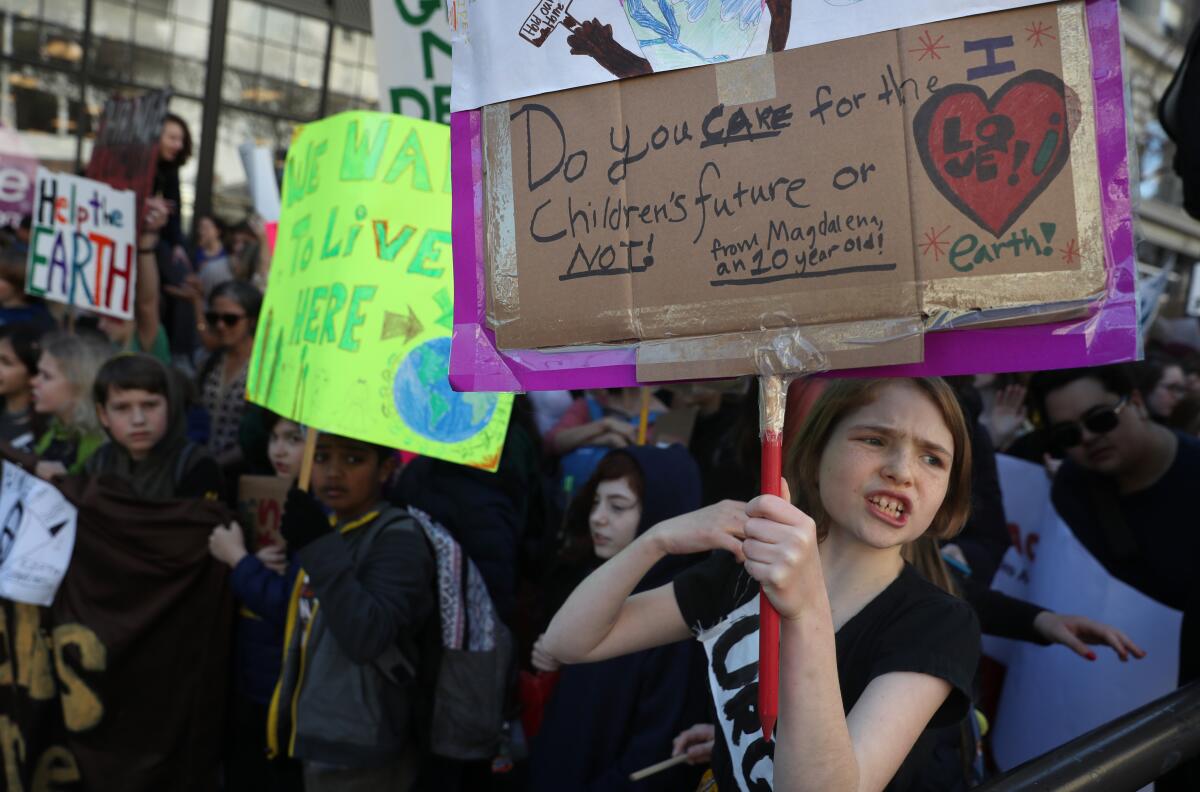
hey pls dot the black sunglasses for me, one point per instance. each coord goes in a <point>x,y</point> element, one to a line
<point>1101,420</point>
<point>231,319</point>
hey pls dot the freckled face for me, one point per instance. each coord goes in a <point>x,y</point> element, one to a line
<point>886,468</point>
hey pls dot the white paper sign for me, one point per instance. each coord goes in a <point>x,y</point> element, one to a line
<point>260,176</point>
<point>412,55</point>
<point>37,536</point>
<point>1051,695</point>
<point>83,244</point>
<point>732,649</point>
<point>517,48</point>
<point>1193,299</point>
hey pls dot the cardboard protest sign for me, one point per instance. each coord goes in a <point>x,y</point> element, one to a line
<point>927,177</point>
<point>37,535</point>
<point>411,85</point>
<point>83,244</point>
<point>354,334</point>
<point>551,45</point>
<point>125,152</point>
<point>260,508</point>
<point>18,172</point>
<point>1107,334</point>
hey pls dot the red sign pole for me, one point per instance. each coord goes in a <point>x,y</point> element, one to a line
<point>772,404</point>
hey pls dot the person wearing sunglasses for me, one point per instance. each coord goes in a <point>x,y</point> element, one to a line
<point>1126,490</point>
<point>229,324</point>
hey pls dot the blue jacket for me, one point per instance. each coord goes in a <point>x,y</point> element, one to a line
<point>258,649</point>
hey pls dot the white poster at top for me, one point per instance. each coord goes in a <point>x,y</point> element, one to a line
<point>37,536</point>
<point>412,54</point>
<point>517,48</point>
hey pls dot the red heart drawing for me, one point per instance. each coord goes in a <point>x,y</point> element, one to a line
<point>992,157</point>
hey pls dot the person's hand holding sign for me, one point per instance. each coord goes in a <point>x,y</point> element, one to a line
<point>780,549</point>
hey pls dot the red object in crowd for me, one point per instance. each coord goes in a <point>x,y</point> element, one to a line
<point>768,617</point>
<point>534,690</point>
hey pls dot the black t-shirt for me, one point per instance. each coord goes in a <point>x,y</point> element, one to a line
<point>912,625</point>
<point>1162,561</point>
<point>1160,538</point>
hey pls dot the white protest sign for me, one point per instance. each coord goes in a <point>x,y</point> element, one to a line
<point>519,48</point>
<point>83,244</point>
<point>412,55</point>
<point>260,176</point>
<point>1050,693</point>
<point>1193,298</point>
<point>37,536</point>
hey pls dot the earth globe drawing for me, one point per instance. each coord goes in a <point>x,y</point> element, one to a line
<point>424,400</point>
<point>674,34</point>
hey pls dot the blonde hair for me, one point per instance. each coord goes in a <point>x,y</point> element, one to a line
<point>844,396</point>
<point>80,358</point>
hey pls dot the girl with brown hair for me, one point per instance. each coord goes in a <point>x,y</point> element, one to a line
<point>873,655</point>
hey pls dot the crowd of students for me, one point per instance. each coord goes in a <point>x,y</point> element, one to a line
<point>606,553</point>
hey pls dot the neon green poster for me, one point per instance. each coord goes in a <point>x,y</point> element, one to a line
<point>354,335</point>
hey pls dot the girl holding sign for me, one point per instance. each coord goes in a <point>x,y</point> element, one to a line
<point>873,656</point>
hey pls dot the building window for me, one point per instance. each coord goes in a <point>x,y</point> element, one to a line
<point>55,75</point>
<point>43,106</point>
<point>352,82</point>
<point>151,43</point>
<point>274,60</point>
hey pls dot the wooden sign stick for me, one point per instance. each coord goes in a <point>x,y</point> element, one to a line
<point>666,764</point>
<point>772,405</point>
<point>306,464</point>
<point>644,419</point>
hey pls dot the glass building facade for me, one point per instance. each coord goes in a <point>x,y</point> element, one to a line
<point>240,70</point>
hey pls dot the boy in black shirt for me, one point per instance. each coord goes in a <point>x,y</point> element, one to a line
<point>140,405</point>
<point>347,696</point>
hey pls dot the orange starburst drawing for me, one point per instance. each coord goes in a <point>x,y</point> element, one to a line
<point>930,46</point>
<point>1037,31</point>
<point>1071,253</point>
<point>933,242</point>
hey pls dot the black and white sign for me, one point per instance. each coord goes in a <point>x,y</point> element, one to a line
<point>37,535</point>
<point>732,649</point>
